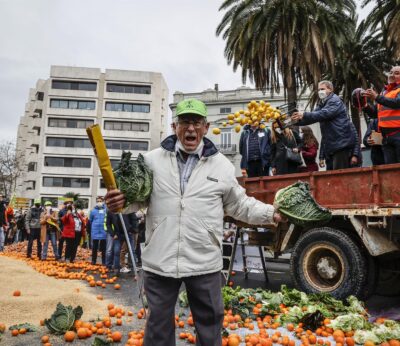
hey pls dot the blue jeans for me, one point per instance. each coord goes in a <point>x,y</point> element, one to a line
<point>51,236</point>
<point>1,239</point>
<point>117,249</point>
<point>109,251</point>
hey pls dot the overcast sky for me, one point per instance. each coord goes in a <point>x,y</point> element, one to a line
<point>175,37</point>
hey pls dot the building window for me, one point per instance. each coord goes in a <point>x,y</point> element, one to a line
<point>102,185</point>
<point>76,162</point>
<point>32,167</point>
<point>226,137</point>
<point>66,182</point>
<point>66,85</point>
<point>68,142</point>
<point>114,163</point>
<point>225,110</point>
<point>40,95</point>
<point>126,145</point>
<point>70,123</point>
<point>72,104</point>
<point>127,107</point>
<point>128,88</point>
<point>126,126</point>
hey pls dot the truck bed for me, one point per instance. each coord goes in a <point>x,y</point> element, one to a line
<point>355,188</point>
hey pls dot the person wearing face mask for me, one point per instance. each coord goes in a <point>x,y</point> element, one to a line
<point>194,187</point>
<point>97,230</point>
<point>387,110</point>
<point>49,230</point>
<point>338,139</point>
<point>73,230</point>
<point>33,228</point>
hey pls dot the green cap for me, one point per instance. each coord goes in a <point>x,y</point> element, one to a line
<point>36,201</point>
<point>191,106</point>
<point>48,203</point>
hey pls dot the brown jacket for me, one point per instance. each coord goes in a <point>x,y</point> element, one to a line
<point>46,220</point>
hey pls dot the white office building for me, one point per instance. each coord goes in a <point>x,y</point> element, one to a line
<point>221,103</point>
<point>130,106</point>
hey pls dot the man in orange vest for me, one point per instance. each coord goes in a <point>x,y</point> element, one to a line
<point>387,110</point>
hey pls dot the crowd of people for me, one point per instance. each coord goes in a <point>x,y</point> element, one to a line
<point>68,228</point>
<point>294,148</point>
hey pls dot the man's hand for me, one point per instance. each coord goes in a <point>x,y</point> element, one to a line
<point>370,93</point>
<point>353,160</point>
<point>115,200</point>
<point>370,141</point>
<point>296,116</point>
<point>295,150</point>
<point>273,170</point>
<point>322,163</point>
<point>279,218</point>
<point>244,173</point>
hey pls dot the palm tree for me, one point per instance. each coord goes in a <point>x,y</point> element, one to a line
<point>386,14</point>
<point>288,42</point>
<point>359,63</point>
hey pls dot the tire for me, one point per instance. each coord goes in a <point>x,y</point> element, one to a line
<point>328,260</point>
<point>373,275</point>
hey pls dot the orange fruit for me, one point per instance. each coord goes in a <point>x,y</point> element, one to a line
<point>16,293</point>
<point>69,336</point>
<point>14,332</point>
<point>45,339</point>
<point>116,336</point>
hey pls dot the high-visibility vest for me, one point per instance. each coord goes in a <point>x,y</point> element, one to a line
<point>389,117</point>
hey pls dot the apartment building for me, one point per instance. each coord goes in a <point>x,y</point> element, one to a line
<point>221,103</point>
<point>130,106</point>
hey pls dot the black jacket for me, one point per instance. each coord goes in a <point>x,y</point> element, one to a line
<point>114,226</point>
<point>2,213</point>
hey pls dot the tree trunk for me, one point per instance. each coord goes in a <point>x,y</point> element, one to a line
<point>292,91</point>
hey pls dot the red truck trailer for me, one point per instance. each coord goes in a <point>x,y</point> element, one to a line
<point>359,248</point>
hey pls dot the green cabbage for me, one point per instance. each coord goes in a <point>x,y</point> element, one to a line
<point>63,318</point>
<point>134,178</point>
<point>297,204</point>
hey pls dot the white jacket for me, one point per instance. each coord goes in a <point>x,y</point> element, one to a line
<point>184,232</point>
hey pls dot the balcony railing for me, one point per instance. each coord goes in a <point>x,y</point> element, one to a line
<point>227,149</point>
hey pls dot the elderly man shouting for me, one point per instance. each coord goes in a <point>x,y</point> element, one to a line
<point>194,187</point>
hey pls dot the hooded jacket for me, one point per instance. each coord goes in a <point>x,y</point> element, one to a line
<point>184,231</point>
<point>335,125</point>
<point>96,218</point>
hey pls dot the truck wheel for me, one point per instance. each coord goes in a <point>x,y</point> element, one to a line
<point>327,260</point>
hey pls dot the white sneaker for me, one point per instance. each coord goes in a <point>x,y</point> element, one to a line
<point>125,270</point>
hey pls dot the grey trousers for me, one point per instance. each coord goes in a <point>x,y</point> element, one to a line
<point>205,301</point>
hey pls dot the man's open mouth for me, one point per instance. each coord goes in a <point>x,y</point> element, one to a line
<point>190,138</point>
